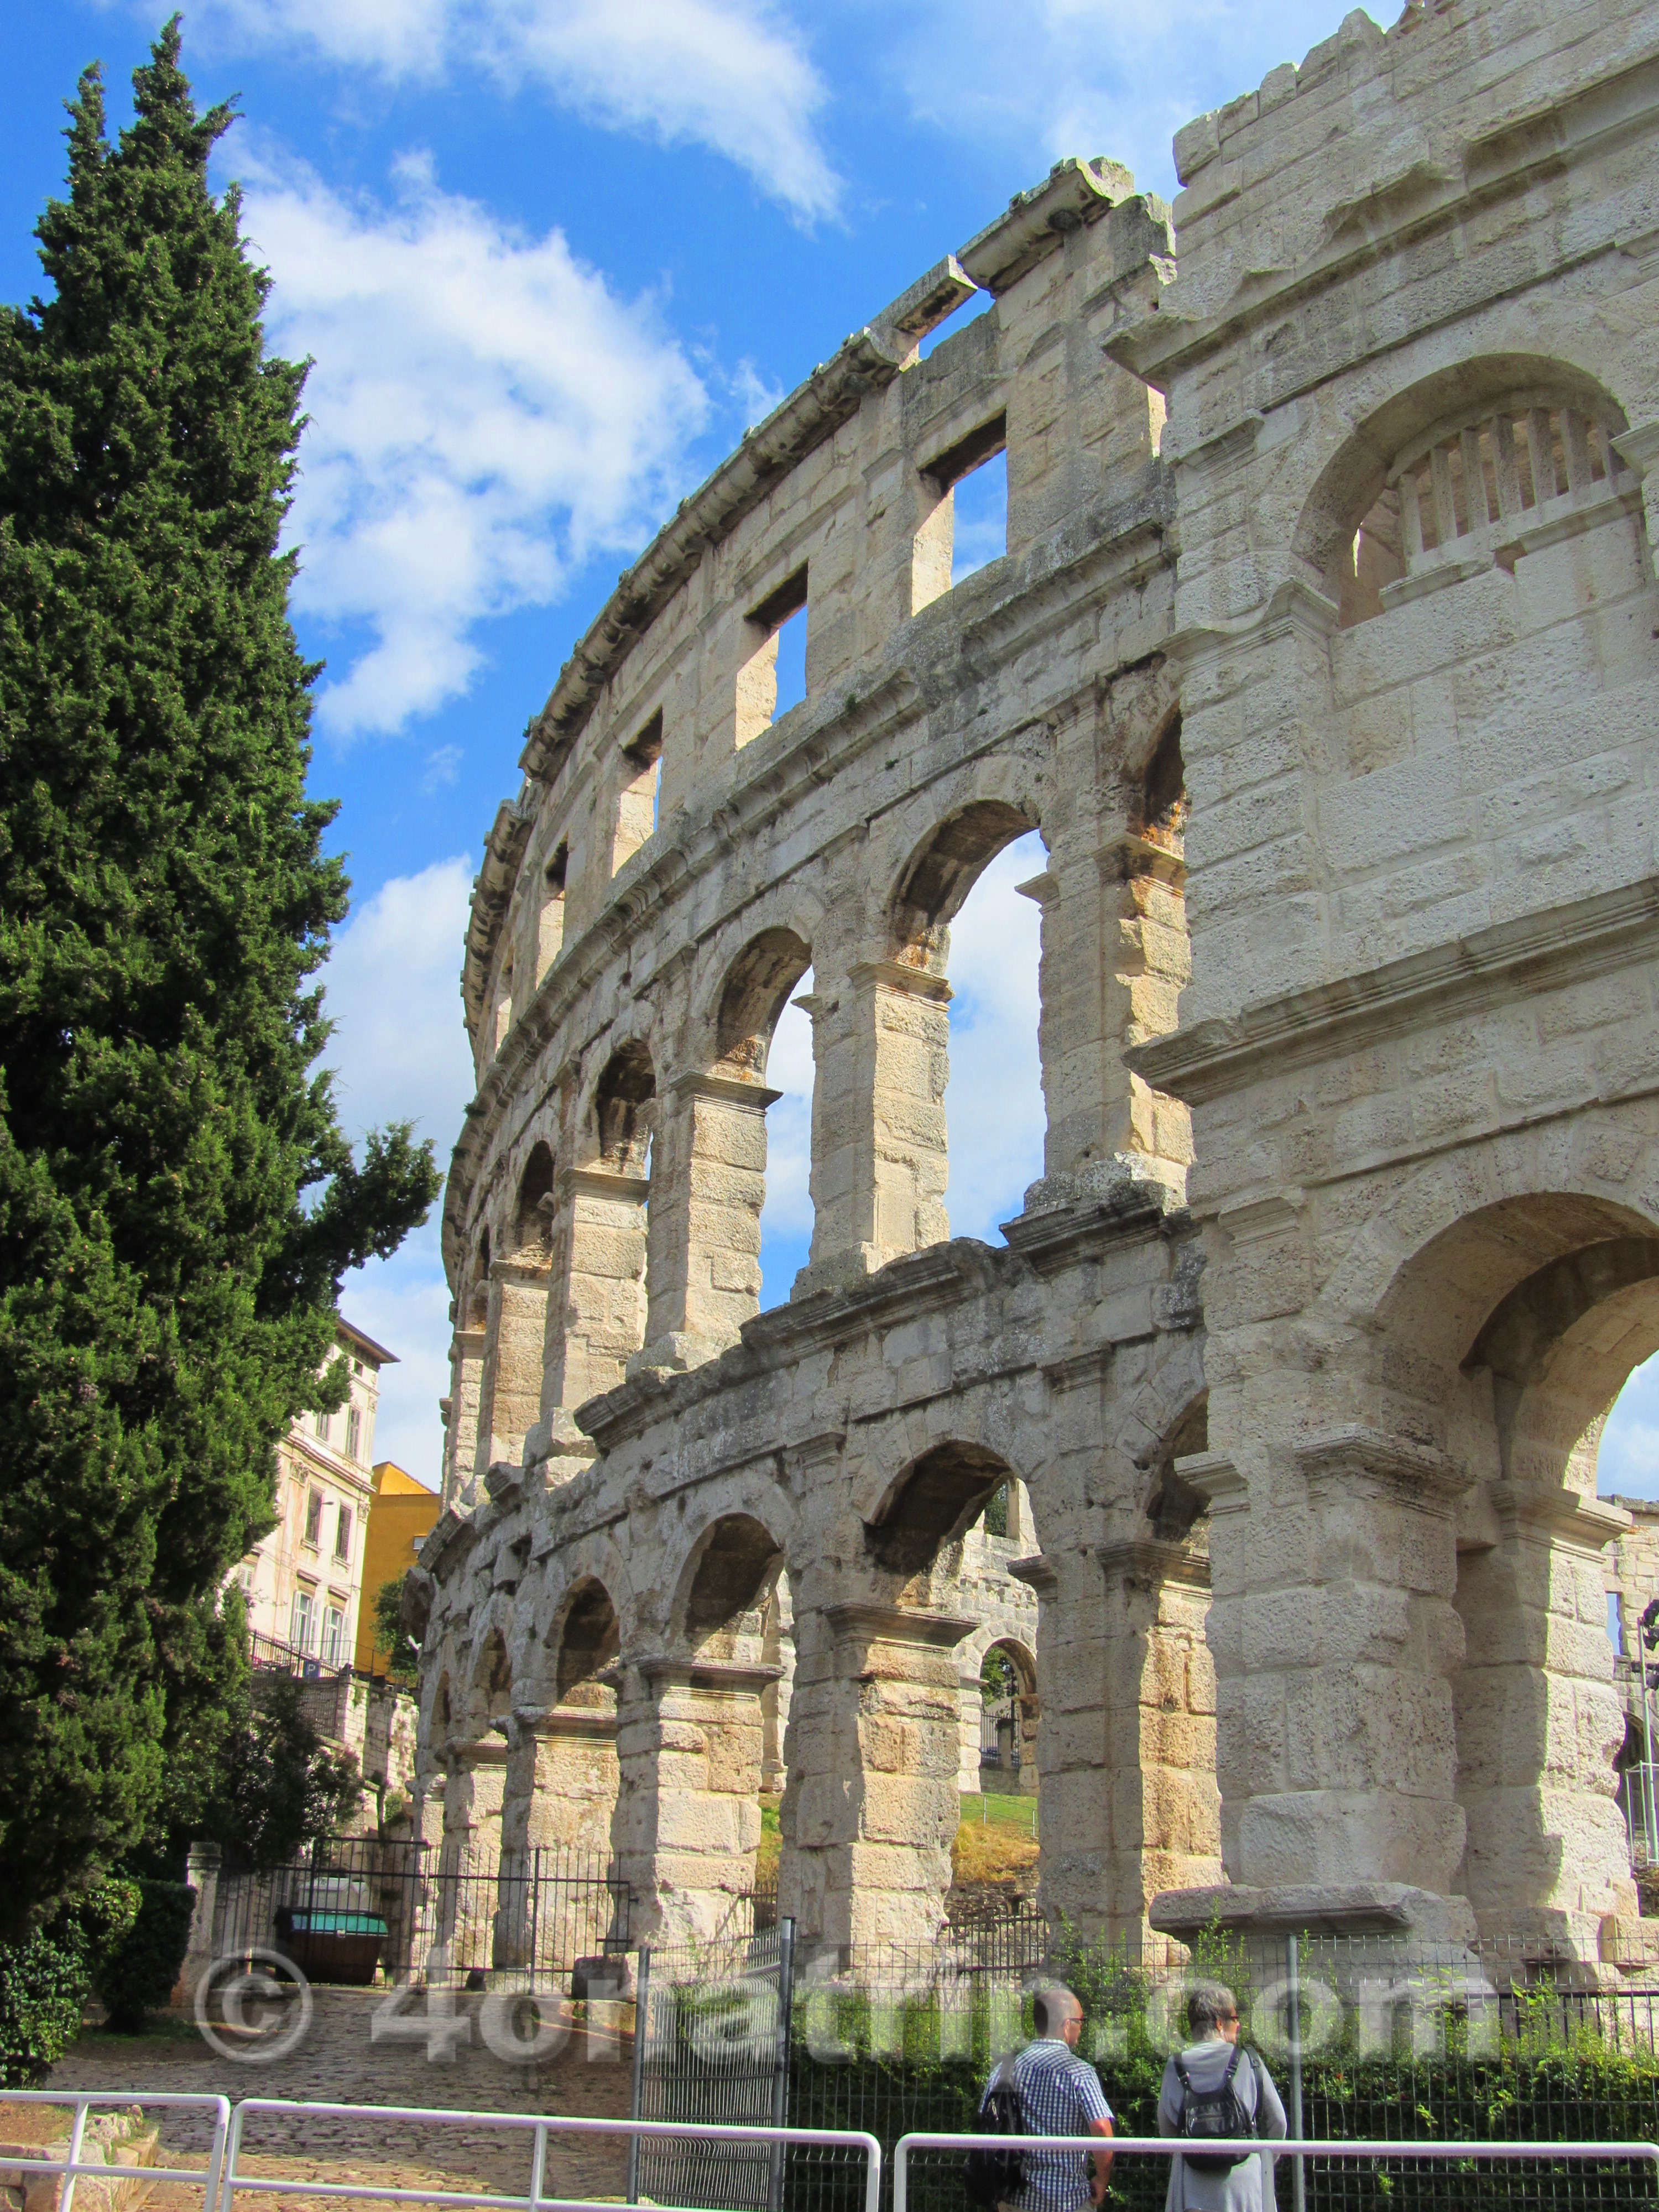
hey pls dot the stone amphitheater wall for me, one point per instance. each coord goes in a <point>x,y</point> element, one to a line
<point>1322,656</point>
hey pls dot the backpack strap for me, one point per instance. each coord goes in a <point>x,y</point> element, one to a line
<point>1233,2066</point>
<point>1182,2075</point>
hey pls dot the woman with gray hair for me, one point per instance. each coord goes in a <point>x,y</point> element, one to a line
<point>1213,2088</point>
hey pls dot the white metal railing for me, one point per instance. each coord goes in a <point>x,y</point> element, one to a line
<point>536,2126</point>
<point>1173,2147</point>
<point>71,2166</point>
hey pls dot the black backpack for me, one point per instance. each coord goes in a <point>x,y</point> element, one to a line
<point>993,2175</point>
<point>1214,2116</point>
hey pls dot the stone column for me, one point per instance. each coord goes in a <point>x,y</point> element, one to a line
<point>1335,1641</point>
<point>872,1805</point>
<point>879,1163</point>
<point>1160,1688</point>
<point>510,1391</point>
<point>709,1169</point>
<point>466,1357</point>
<point>596,1316</point>
<point>468,1864</point>
<point>1539,1723</point>
<point>560,1797</point>
<point>202,1873</point>
<point>970,1706</point>
<point>688,1746</point>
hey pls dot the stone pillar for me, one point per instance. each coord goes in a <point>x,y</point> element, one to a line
<point>202,1873</point>
<point>466,1357</point>
<point>596,1316</point>
<point>510,1391</point>
<point>468,1863</point>
<point>1539,1723</point>
<point>879,1163</point>
<point>688,1744</point>
<point>709,1176</point>
<point>872,1805</point>
<point>1335,1641</point>
<point>970,1704</point>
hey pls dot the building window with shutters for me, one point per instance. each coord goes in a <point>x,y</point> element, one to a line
<point>314,1535</point>
<point>302,1620</point>
<point>354,1433</point>
<point>333,1636</point>
<point>342,1534</point>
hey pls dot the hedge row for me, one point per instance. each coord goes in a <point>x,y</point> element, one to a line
<point>123,1941</point>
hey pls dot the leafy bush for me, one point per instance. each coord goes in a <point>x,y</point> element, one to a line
<point>139,1971</point>
<point>45,1979</point>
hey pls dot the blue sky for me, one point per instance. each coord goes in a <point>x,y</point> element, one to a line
<point>551,257</point>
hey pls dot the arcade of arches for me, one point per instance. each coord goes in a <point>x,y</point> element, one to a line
<point>1262,1442</point>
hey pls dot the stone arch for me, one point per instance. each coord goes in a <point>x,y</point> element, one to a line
<point>478,1297</point>
<point>1448,430</point>
<point>491,1697</point>
<point>755,990</point>
<point>929,1509</point>
<point>1171,1506</point>
<point>622,1116</point>
<point>533,1214</point>
<point>942,871</point>
<point>1160,804</point>
<point>724,1587</point>
<point>1497,1351</point>
<point>1014,1723</point>
<point>586,1641</point>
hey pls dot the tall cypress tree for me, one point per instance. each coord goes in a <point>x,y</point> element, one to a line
<point>177,1204</point>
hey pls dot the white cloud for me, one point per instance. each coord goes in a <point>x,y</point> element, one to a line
<point>392,989</point>
<point>1628,1459</point>
<point>485,414</point>
<point>730,75</point>
<point>1092,77</point>
<point>400,1053</point>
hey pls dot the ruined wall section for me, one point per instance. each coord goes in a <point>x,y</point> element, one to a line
<point>923,703</point>
<point>1413,419</point>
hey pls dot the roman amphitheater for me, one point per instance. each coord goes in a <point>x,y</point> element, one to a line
<point>1323,656</point>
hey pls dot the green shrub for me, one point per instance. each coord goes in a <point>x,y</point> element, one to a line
<point>45,1979</point>
<point>139,1971</point>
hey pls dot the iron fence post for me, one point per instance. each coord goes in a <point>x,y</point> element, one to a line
<point>641,2019</point>
<point>780,2078</point>
<point>1298,2173</point>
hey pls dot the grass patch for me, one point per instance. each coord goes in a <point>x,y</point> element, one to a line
<point>996,1839</point>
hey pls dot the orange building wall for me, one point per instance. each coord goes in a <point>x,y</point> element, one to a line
<point>401,1515</point>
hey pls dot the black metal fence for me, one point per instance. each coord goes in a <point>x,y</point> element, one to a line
<point>711,2043</point>
<point>442,1917</point>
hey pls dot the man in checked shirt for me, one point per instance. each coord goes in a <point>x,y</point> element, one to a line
<point>1060,2094</point>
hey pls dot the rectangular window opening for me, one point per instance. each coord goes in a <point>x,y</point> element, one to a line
<point>636,805</point>
<point>550,929</point>
<point>314,1518</point>
<point>968,526</point>
<point>774,678</point>
<point>354,1434</point>
<point>342,1534</point>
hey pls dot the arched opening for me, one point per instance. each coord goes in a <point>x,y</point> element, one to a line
<point>1009,1719</point>
<point>1506,1341</point>
<point>1459,473</point>
<point>534,1212</point>
<point>722,1701</point>
<point>1174,1508</point>
<point>928,1514</point>
<point>576,1776</point>
<point>763,1034</point>
<point>589,1640</point>
<point>969,911</point>
<point>492,1682</point>
<point>725,1604</point>
<point>623,1110</point>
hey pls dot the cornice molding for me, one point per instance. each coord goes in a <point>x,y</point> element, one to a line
<point>1488,967</point>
